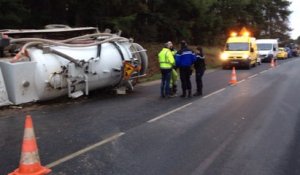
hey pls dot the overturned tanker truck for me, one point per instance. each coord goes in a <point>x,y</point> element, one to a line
<point>38,65</point>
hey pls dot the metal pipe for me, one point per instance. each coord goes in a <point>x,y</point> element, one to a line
<point>35,41</point>
<point>61,41</point>
<point>38,41</point>
<point>73,60</point>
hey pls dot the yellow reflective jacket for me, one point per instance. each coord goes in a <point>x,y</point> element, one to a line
<point>166,59</point>
<point>174,52</point>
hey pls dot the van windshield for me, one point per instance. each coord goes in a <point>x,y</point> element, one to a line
<point>264,46</point>
<point>237,47</point>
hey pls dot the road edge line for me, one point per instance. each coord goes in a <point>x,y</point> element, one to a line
<point>213,93</point>
<point>84,150</point>
<point>168,113</point>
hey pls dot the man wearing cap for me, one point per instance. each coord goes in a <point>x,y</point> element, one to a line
<point>185,58</point>
<point>166,63</point>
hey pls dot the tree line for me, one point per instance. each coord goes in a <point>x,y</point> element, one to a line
<point>198,21</point>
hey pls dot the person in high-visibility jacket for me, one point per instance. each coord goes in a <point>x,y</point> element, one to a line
<point>166,63</point>
<point>174,75</point>
<point>173,82</point>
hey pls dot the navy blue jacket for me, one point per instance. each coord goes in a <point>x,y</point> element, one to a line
<point>185,58</point>
<point>200,62</point>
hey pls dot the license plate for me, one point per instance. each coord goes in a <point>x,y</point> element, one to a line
<point>234,62</point>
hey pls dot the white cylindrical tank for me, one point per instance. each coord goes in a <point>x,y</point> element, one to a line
<point>63,70</point>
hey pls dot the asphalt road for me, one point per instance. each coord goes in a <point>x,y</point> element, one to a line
<point>251,128</point>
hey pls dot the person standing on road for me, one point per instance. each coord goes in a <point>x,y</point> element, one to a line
<point>166,63</point>
<point>173,82</point>
<point>174,75</point>
<point>185,58</point>
<point>200,68</point>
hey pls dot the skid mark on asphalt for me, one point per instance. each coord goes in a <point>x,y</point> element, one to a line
<point>212,157</point>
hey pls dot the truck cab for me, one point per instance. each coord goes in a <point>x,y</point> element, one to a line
<point>239,51</point>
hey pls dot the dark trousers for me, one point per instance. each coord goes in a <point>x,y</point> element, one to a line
<point>199,83</point>
<point>185,77</point>
<point>165,82</point>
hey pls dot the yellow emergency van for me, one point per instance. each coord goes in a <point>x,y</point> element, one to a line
<point>240,51</point>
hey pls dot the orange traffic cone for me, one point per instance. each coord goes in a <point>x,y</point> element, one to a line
<point>233,77</point>
<point>30,160</point>
<point>272,63</point>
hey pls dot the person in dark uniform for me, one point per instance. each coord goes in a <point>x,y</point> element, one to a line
<point>200,68</point>
<point>185,58</point>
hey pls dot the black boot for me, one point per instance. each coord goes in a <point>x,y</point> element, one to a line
<point>198,93</point>
<point>174,89</point>
<point>183,94</point>
<point>189,93</point>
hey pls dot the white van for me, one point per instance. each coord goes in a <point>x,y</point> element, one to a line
<point>267,50</point>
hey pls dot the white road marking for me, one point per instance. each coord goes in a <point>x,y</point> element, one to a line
<point>253,76</point>
<point>240,81</point>
<point>168,113</point>
<point>82,151</point>
<point>211,94</point>
<point>263,71</point>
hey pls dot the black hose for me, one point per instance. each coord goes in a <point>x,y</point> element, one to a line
<point>98,50</point>
<point>119,50</point>
<point>122,57</point>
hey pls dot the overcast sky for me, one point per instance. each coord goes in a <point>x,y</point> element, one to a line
<point>295,18</point>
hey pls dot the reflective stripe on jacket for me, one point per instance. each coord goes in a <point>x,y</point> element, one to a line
<point>166,59</point>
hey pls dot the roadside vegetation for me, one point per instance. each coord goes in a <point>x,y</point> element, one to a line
<point>207,22</point>
<point>153,22</point>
